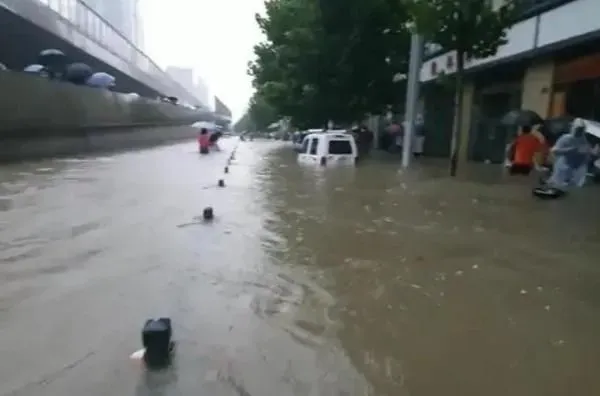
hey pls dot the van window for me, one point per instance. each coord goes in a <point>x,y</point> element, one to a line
<point>305,146</point>
<point>313,146</point>
<point>340,147</point>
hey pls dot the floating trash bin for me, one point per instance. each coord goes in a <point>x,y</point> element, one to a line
<point>156,339</point>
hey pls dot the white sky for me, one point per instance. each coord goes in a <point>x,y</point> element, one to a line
<point>214,37</point>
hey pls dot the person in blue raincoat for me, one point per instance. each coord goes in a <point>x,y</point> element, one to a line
<point>572,153</point>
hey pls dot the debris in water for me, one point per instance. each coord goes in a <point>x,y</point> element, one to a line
<point>475,201</point>
<point>475,266</point>
<point>547,307</point>
<point>478,229</point>
<point>138,355</point>
<point>415,286</point>
<point>458,273</point>
<point>540,288</point>
<point>523,291</point>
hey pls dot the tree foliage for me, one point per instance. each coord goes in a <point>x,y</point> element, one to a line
<point>261,113</point>
<point>330,59</point>
<point>472,28</point>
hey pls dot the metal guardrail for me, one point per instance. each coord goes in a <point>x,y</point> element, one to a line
<point>98,29</point>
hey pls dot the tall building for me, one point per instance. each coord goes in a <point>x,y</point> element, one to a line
<point>121,14</point>
<point>201,91</point>
<point>221,108</point>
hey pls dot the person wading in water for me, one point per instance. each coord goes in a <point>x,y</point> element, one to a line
<point>204,141</point>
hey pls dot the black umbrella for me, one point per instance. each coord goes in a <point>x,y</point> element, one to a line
<point>78,73</point>
<point>522,118</point>
<point>51,57</point>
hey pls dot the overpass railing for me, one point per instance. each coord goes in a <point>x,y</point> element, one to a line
<point>96,28</point>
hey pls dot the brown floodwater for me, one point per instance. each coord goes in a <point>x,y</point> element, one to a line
<point>310,281</point>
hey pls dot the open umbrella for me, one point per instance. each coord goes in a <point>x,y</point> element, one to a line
<point>52,57</point>
<point>101,80</point>
<point>204,124</point>
<point>553,128</point>
<point>78,73</point>
<point>35,69</point>
<point>522,118</point>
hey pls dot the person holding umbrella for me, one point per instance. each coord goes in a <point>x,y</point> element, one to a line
<point>522,152</point>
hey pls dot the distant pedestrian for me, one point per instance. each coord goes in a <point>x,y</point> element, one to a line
<point>204,141</point>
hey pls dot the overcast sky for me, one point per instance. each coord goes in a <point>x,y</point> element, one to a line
<point>214,37</point>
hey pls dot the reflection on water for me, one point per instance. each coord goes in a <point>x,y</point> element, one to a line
<point>310,281</point>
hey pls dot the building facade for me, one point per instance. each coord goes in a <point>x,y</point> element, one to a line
<point>550,64</point>
<point>202,92</point>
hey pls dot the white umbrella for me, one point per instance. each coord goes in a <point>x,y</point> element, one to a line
<point>204,124</point>
<point>591,127</point>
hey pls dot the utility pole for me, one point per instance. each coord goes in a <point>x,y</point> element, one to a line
<point>412,96</point>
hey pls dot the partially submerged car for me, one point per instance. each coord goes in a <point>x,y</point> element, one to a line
<point>328,148</point>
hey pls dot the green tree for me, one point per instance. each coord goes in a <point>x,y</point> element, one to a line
<point>243,124</point>
<point>261,113</point>
<point>474,29</point>
<point>331,59</point>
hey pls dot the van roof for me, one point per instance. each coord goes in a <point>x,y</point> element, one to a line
<point>337,135</point>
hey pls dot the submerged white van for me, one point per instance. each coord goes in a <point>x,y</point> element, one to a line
<point>328,148</point>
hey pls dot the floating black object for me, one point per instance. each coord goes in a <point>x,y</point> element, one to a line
<point>221,183</point>
<point>208,214</point>
<point>156,338</point>
<point>226,169</point>
<point>545,192</point>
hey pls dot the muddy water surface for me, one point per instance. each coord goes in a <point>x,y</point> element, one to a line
<point>364,281</point>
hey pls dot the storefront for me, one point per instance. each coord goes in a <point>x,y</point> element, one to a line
<point>576,90</point>
<point>496,93</point>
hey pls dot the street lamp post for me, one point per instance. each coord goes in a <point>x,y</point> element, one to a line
<point>412,96</point>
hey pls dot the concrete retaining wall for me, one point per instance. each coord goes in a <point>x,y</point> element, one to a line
<point>45,118</point>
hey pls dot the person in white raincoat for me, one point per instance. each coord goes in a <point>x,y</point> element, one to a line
<point>571,156</point>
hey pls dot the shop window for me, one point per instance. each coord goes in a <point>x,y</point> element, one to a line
<point>581,98</point>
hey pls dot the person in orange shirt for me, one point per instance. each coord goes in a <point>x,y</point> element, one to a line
<point>524,150</point>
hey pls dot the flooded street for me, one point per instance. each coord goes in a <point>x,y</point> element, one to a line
<point>309,282</point>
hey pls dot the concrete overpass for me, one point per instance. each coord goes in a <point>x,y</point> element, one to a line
<point>30,26</point>
<point>222,112</point>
